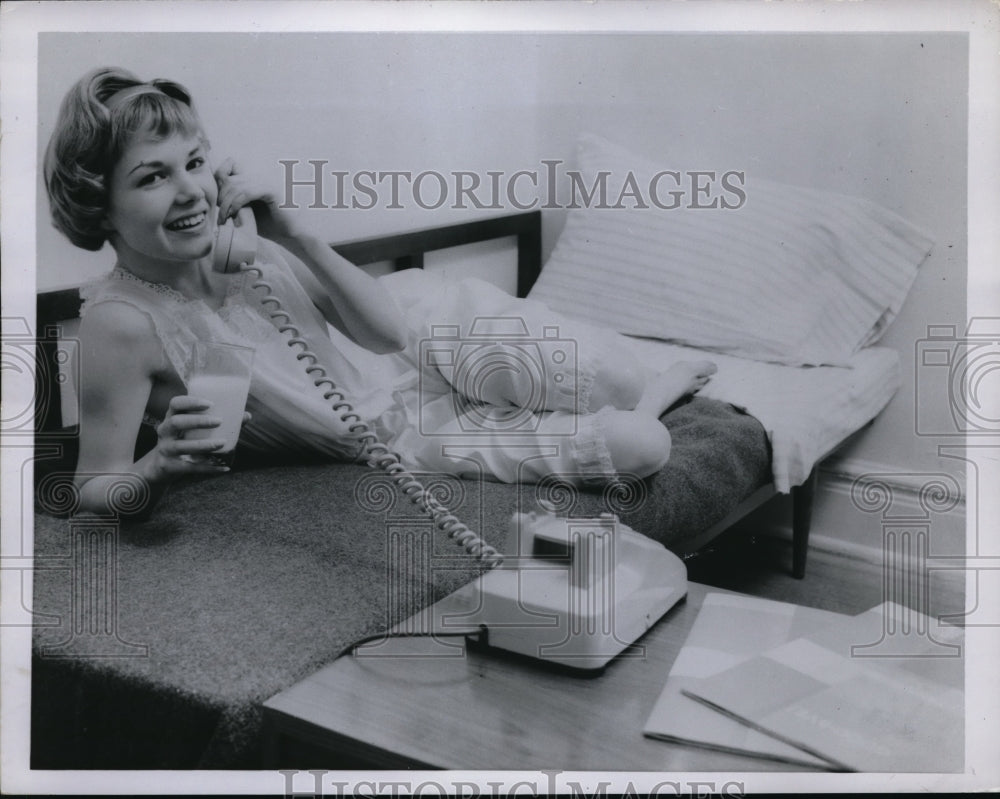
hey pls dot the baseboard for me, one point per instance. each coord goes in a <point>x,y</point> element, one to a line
<point>947,488</point>
<point>857,502</point>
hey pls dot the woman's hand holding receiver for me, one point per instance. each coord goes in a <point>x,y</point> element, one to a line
<point>236,191</point>
<point>350,299</point>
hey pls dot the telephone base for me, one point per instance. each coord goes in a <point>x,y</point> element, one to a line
<point>585,591</point>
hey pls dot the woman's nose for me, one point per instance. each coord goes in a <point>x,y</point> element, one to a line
<point>188,188</point>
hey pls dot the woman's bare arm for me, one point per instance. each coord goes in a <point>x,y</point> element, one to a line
<point>350,299</point>
<point>120,354</point>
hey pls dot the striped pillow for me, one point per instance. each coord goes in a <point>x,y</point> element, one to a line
<point>794,275</point>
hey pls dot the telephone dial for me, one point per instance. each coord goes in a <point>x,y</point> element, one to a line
<point>577,592</point>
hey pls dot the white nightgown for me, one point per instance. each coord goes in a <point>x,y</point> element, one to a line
<point>488,385</point>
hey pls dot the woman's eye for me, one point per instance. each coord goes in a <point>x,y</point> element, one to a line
<point>151,178</point>
<point>196,163</point>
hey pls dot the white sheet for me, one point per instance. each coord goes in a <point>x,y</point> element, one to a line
<point>806,411</point>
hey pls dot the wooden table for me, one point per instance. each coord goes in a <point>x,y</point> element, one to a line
<point>424,703</point>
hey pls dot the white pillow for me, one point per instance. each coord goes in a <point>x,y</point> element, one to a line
<point>795,276</point>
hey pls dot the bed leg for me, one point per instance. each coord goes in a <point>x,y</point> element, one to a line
<point>802,502</point>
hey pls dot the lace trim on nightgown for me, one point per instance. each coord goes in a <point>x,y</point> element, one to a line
<point>179,321</point>
<point>235,286</point>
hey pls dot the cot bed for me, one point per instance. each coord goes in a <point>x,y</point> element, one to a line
<point>156,642</point>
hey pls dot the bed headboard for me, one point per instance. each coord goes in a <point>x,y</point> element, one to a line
<point>407,250</point>
<point>404,250</point>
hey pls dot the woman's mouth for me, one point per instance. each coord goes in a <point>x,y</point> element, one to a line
<point>187,222</point>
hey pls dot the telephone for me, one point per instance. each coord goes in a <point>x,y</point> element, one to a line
<point>578,592</point>
<point>581,591</point>
<point>235,243</point>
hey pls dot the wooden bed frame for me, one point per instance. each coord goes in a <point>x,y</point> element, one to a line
<point>404,251</point>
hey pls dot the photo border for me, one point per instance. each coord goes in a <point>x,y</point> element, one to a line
<point>22,22</point>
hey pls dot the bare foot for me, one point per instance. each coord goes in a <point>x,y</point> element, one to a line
<point>681,379</point>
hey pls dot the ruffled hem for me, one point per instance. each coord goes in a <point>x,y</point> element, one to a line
<point>590,450</point>
<point>573,389</point>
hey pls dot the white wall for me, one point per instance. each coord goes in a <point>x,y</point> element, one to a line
<point>877,115</point>
<point>376,101</point>
<point>881,116</point>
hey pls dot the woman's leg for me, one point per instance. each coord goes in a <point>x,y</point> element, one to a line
<point>679,380</point>
<point>501,350</point>
<point>587,450</point>
<point>638,444</point>
<point>637,441</point>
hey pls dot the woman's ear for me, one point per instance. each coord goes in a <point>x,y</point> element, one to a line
<point>110,233</point>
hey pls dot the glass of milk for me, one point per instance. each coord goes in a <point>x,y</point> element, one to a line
<point>220,373</point>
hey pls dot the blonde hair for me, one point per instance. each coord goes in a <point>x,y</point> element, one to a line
<point>90,137</point>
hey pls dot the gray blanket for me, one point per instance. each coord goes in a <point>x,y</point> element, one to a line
<point>158,641</point>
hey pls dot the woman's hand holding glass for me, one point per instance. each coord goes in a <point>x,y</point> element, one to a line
<point>175,455</point>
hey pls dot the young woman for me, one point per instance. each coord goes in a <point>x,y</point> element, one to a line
<point>129,164</point>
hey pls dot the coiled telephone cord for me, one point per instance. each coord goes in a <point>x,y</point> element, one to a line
<point>377,453</point>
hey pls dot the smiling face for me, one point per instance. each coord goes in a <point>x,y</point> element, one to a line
<point>161,209</point>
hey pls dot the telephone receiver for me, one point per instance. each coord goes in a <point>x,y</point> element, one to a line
<point>236,242</point>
